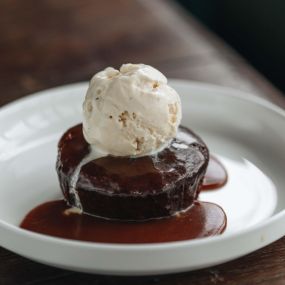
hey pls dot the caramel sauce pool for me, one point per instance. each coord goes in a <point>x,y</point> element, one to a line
<point>202,219</point>
<point>216,175</point>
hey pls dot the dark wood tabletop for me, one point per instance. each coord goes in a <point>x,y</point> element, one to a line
<point>50,43</point>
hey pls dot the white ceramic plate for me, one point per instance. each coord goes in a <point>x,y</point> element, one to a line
<point>245,132</point>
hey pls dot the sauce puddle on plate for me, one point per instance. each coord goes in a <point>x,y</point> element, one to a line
<point>202,219</point>
<point>216,175</point>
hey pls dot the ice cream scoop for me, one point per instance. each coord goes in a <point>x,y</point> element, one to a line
<point>131,111</point>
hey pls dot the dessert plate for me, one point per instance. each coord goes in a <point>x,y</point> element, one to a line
<point>245,132</point>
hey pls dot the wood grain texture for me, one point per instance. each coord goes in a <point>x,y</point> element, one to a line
<point>49,43</point>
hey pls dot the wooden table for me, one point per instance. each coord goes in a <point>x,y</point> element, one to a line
<point>48,43</point>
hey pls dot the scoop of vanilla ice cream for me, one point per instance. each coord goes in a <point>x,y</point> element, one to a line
<point>131,111</point>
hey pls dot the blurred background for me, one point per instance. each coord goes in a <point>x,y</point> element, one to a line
<point>255,28</point>
<point>49,43</point>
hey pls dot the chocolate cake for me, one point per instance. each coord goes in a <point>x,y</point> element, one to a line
<point>128,188</point>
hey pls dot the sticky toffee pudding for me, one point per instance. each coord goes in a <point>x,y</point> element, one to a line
<point>125,188</point>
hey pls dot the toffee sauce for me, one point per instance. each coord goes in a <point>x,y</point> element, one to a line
<point>202,219</point>
<point>216,175</point>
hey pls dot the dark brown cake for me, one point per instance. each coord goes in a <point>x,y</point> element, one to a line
<point>133,188</point>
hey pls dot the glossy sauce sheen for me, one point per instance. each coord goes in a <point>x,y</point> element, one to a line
<point>216,175</point>
<point>202,219</point>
